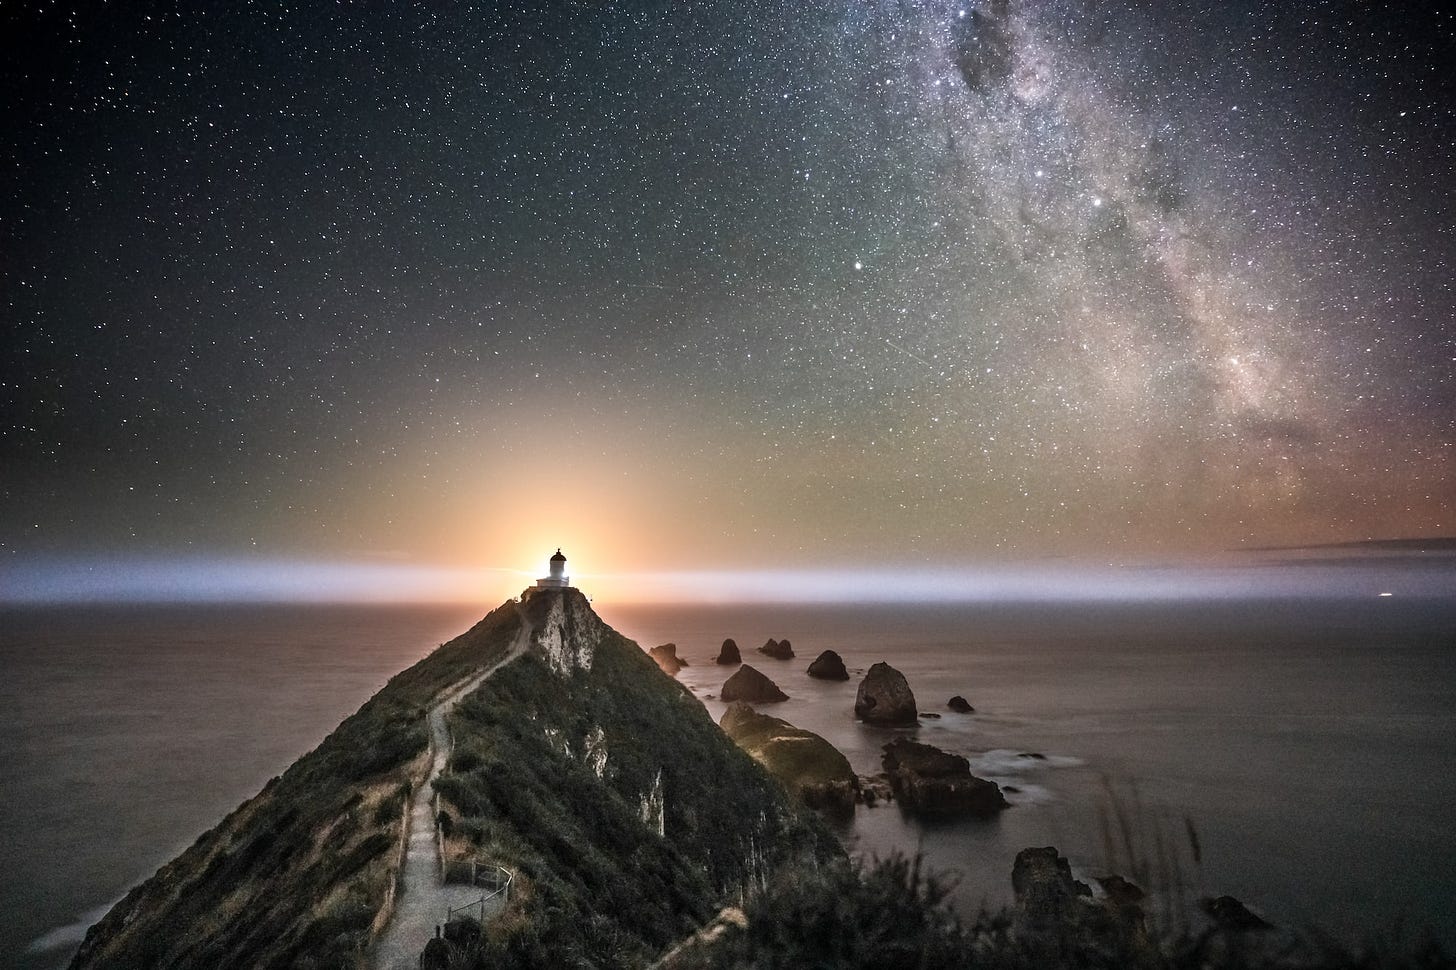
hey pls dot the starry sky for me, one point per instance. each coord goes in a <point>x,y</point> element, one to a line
<point>724,285</point>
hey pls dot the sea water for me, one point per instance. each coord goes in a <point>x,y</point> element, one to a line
<point>1309,745</point>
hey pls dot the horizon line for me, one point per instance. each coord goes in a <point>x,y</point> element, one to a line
<point>276,581</point>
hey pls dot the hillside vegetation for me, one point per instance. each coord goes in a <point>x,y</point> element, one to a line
<point>297,875</point>
<point>627,815</point>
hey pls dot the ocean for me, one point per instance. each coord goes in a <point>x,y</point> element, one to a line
<point>1308,744</point>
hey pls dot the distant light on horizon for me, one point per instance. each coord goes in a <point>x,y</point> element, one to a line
<point>277,580</point>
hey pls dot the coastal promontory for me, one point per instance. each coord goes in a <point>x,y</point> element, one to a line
<point>620,816</point>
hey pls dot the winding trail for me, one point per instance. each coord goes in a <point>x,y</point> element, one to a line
<point>422,898</point>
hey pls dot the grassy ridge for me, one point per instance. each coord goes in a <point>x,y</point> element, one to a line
<point>295,876</point>
<point>597,883</point>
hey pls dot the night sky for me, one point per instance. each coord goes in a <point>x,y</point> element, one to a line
<point>724,284</point>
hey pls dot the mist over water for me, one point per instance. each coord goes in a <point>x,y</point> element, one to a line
<point>1309,741</point>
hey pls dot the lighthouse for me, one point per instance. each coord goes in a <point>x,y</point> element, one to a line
<point>558,578</point>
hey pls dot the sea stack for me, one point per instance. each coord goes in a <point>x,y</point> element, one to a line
<point>752,686</point>
<point>777,649</point>
<point>885,698</point>
<point>828,666</point>
<point>728,654</point>
<point>666,657</point>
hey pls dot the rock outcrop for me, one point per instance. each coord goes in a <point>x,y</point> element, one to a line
<point>936,784</point>
<point>750,685</point>
<point>1048,900</point>
<point>777,649</point>
<point>728,654</point>
<point>884,697</point>
<point>806,764</point>
<point>666,657</point>
<point>1060,922</point>
<point>828,666</point>
<point>1227,913</point>
<point>960,705</point>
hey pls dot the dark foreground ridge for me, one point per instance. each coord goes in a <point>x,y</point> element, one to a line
<point>626,816</point>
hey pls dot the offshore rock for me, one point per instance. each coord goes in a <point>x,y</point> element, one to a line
<point>828,666</point>
<point>752,686</point>
<point>1048,899</point>
<point>666,657</point>
<point>936,784</point>
<point>884,697</point>
<point>728,654</point>
<point>806,764</point>
<point>777,649</point>
<point>1228,913</point>
<point>960,705</point>
<point>1057,916</point>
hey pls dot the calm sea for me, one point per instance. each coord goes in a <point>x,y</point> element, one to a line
<point>1311,745</point>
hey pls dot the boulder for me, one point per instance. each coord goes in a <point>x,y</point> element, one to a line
<point>960,705</point>
<point>803,762</point>
<point>884,697</point>
<point>936,784</point>
<point>667,658</point>
<point>1120,891</point>
<point>828,666</point>
<point>1227,913</point>
<point>777,649</point>
<point>875,788</point>
<point>728,654</point>
<point>752,686</point>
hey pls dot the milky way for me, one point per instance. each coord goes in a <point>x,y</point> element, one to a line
<point>857,282</point>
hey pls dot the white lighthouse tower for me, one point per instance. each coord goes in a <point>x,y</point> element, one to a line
<point>558,578</point>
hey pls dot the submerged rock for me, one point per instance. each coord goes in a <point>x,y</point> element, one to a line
<point>937,784</point>
<point>828,666</point>
<point>960,705</point>
<point>884,697</point>
<point>805,763</point>
<point>728,653</point>
<point>666,657</point>
<point>752,686</point>
<point>777,649</point>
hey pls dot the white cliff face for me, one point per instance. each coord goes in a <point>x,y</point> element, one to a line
<point>654,807</point>
<point>557,739</point>
<point>596,751</point>
<point>569,636</point>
